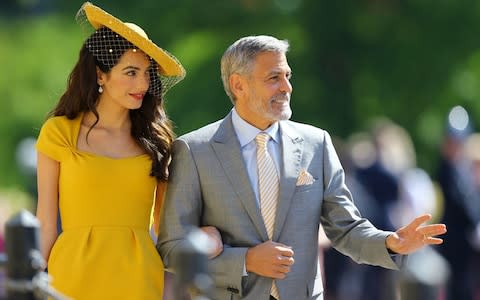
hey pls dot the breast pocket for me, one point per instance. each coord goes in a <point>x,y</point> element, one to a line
<point>307,202</point>
<point>315,187</point>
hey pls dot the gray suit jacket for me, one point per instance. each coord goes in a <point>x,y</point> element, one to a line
<point>209,186</point>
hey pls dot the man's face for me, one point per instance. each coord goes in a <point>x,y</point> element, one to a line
<point>266,97</point>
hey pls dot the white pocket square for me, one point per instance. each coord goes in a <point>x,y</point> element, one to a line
<point>305,178</point>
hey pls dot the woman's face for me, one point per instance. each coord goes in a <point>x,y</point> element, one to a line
<point>127,82</point>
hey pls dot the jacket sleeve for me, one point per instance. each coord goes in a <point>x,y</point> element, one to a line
<point>350,234</point>
<point>182,212</point>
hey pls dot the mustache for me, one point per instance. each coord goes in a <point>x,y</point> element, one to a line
<point>281,97</point>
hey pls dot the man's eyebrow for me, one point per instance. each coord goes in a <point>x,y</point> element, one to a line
<point>276,72</point>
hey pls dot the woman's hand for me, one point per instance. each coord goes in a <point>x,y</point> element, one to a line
<point>215,241</point>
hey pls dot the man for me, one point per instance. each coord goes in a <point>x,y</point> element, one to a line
<point>214,181</point>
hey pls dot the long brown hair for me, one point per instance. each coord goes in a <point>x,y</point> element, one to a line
<point>151,127</point>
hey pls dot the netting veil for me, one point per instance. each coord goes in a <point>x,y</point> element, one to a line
<point>107,46</point>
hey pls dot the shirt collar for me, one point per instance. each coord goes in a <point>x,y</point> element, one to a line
<point>246,132</point>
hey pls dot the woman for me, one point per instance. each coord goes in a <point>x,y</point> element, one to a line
<point>102,162</point>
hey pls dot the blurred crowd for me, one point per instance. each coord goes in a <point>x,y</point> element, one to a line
<point>390,189</point>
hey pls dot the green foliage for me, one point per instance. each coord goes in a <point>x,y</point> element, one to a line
<point>410,61</point>
<point>37,55</point>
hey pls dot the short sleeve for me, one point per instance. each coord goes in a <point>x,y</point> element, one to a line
<point>54,140</point>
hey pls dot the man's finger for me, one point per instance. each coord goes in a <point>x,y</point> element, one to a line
<point>285,251</point>
<point>419,220</point>
<point>433,241</point>
<point>432,230</point>
<point>286,260</point>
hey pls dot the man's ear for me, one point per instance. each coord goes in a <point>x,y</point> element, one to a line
<point>238,85</point>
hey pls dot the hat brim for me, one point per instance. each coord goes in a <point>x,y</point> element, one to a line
<point>168,65</point>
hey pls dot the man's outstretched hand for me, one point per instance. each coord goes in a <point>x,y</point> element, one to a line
<point>414,236</point>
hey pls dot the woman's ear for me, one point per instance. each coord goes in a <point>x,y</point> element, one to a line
<point>101,76</point>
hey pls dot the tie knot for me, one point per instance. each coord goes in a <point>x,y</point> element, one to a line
<point>262,139</point>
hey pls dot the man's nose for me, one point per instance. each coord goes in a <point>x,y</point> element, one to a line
<point>286,85</point>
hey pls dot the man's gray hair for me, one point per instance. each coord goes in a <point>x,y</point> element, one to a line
<point>240,56</point>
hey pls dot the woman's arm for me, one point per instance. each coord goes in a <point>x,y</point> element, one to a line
<point>159,196</point>
<point>48,171</point>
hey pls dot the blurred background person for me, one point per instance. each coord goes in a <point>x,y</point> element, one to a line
<point>454,175</point>
<point>376,172</point>
<point>426,272</point>
<point>374,188</point>
<point>472,153</point>
<point>344,278</point>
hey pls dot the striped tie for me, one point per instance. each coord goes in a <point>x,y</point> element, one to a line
<point>268,186</point>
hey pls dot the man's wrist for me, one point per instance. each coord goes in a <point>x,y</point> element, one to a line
<point>390,241</point>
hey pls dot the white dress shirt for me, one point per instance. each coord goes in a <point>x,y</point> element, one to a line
<point>246,134</point>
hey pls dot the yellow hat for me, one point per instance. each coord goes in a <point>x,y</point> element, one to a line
<point>169,66</point>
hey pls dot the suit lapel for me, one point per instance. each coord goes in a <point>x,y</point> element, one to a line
<point>227,148</point>
<point>292,149</point>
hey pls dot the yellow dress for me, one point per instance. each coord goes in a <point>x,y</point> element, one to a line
<point>105,250</point>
